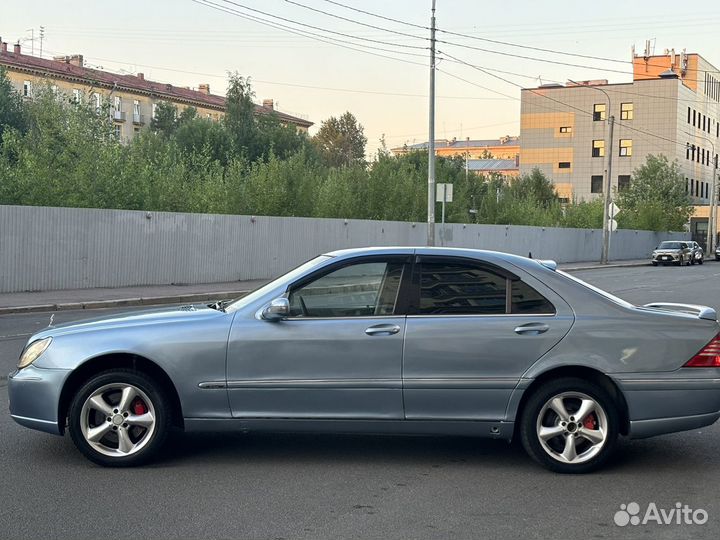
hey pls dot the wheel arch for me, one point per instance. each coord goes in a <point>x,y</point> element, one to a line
<point>582,372</point>
<point>98,364</point>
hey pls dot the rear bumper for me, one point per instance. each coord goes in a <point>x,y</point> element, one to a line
<point>667,403</point>
<point>34,397</point>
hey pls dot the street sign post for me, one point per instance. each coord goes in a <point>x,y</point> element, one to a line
<point>443,194</point>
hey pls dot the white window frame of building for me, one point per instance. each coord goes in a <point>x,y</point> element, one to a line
<point>599,145</point>
<point>117,108</point>
<point>599,109</point>
<point>97,99</point>
<point>77,95</point>
<point>118,131</point>
<point>136,110</point>
<point>27,89</point>
<point>154,110</point>
<point>626,147</point>
<point>627,111</point>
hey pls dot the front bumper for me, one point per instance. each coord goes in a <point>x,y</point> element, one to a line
<point>34,397</point>
<point>666,257</point>
<point>669,402</point>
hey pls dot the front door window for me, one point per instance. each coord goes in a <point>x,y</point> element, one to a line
<point>359,290</point>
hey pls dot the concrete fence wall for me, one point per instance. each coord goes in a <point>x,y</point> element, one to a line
<point>43,248</point>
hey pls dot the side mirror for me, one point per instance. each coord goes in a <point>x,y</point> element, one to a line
<point>277,310</point>
<point>684,246</point>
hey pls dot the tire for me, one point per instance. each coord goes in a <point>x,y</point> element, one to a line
<point>654,263</point>
<point>538,413</point>
<point>717,258</point>
<point>142,423</point>
<point>700,261</point>
<point>692,261</point>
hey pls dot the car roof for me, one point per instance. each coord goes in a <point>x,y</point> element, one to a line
<point>489,255</point>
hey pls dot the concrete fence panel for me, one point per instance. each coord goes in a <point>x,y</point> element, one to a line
<point>45,248</point>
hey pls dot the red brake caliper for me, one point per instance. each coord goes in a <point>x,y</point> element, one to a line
<point>139,407</point>
<point>590,421</point>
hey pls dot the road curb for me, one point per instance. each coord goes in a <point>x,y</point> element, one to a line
<point>599,266</point>
<point>122,302</point>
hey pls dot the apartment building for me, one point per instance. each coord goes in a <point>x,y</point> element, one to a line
<point>671,107</point>
<point>132,99</point>
<point>506,147</point>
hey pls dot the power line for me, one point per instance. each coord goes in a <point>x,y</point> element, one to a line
<point>583,111</point>
<point>505,43</point>
<point>322,29</point>
<point>310,35</point>
<point>340,17</point>
<point>293,85</point>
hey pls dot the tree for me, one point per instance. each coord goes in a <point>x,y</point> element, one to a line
<point>656,199</point>
<point>341,141</point>
<point>240,120</point>
<point>12,111</point>
<point>166,118</point>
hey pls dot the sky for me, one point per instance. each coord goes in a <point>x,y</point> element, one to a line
<point>185,43</point>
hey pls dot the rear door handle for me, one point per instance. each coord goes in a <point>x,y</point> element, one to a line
<point>532,329</point>
<point>382,330</point>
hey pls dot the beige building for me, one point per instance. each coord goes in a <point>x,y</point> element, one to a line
<point>671,107</point>
<point>131,98</point>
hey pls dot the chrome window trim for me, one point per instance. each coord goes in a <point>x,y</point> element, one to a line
<point>344,318</point>
<point>485,315</point>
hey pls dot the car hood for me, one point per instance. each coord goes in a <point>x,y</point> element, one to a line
<point>133,318</point>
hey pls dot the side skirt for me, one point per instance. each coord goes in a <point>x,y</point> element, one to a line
<point>494,430</point>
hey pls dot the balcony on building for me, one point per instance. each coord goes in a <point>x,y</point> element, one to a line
<point>118,116</point>
<point>138,119</point>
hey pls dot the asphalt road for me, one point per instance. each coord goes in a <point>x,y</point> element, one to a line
<point>321,486</point>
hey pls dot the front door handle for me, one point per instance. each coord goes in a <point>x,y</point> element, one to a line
<point>532,329</point>
<point>382,330</point>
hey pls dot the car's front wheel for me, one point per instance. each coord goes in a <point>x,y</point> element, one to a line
<point>119,418</point>
<point>570,425</point>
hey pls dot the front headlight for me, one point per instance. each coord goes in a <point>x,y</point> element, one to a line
<point>33,351</point>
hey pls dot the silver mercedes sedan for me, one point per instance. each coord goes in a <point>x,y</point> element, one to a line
<point>383,340</point>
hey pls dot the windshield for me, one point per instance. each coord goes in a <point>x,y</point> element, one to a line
<point>606,294</point>
<point>291,275</point>
<point>669,245</point>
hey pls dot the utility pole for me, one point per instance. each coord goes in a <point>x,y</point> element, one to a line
<point>42,37</point>
<point>606,195</point>
<point>713,208</point>
<point>431,139</point>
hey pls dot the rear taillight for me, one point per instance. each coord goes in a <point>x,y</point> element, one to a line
<point>709,355</point>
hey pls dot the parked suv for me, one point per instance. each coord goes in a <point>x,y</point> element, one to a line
<point>673,252</point>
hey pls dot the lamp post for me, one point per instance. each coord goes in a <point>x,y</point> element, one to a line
<point>605,254</point>
<point>712,209</point>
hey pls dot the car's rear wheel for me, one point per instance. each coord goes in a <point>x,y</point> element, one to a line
<point>570,425</point>
<point>119,418</point>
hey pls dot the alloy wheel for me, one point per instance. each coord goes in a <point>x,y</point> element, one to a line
<point>118,420</point>
<point>572,427</point>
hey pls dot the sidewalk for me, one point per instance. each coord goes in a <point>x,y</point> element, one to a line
<point>27,302</point>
